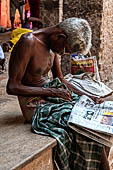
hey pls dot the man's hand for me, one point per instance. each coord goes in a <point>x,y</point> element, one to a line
<point>97,100</point>
<point>63,93</point>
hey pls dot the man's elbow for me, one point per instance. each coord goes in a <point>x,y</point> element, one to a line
<point>11,89</point>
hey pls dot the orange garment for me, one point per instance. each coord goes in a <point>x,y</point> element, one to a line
<point>27,7</point>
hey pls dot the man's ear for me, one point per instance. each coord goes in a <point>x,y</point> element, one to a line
<point>61,36</point>
<point>57,42</point>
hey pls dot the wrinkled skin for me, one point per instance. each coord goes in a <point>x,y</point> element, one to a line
<point>30,62</point>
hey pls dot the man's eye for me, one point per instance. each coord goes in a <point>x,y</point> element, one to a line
<point>76,47</point>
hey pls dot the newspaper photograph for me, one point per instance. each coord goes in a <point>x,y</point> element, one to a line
<point>95,117</point>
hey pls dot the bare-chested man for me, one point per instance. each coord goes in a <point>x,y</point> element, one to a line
<point>32,58</point>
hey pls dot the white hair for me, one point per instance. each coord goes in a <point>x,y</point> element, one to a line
<point>79,34</point>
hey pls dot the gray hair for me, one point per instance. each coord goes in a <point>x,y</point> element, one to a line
<point>79,34</point>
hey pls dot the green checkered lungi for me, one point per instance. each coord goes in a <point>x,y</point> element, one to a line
<point>74,151</point>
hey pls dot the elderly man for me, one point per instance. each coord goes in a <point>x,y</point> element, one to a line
<point>31,60</point>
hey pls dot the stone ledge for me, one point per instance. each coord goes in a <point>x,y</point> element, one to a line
<point>18,145</point>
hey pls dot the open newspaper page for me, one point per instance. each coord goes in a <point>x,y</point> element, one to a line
<point>93,120</point>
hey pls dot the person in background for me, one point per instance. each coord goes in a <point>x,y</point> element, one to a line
<point>14,38</point>
<point>2,59</point>
<point>18,32</point>
<point>15,4</point>
<point>27,10</point>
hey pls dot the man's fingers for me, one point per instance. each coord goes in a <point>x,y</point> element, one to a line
<point>99,101</point>
<point>65,94</point>
<point>69,95</point>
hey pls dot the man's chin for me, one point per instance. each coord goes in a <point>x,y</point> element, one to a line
<point>58,52</point>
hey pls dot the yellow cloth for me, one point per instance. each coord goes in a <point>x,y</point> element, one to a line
<point>16,35</point>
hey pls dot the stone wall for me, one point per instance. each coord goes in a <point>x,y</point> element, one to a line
<point>106,47</point>
<point>49,12</point>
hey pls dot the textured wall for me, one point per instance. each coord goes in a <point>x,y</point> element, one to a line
<point>106,47</point>
<point>49,12</point>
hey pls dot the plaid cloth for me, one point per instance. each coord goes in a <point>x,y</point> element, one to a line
<point>74,151</point>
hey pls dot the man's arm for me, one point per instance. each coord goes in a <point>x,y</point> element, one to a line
<point>56,70</point>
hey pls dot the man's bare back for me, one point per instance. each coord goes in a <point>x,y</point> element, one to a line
<point>39,59</point>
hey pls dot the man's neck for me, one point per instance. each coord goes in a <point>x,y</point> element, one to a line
<point>41,41</point>
<point>43,35</point>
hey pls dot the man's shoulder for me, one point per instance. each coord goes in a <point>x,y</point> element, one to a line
<point>27,38</point>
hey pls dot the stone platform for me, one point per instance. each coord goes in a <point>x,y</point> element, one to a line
<point>19,147</point>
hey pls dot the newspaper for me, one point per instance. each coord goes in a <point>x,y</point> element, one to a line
<point>87,85</point>
<point>93,120</point>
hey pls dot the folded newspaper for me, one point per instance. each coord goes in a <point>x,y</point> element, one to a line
<point>93,120</point>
